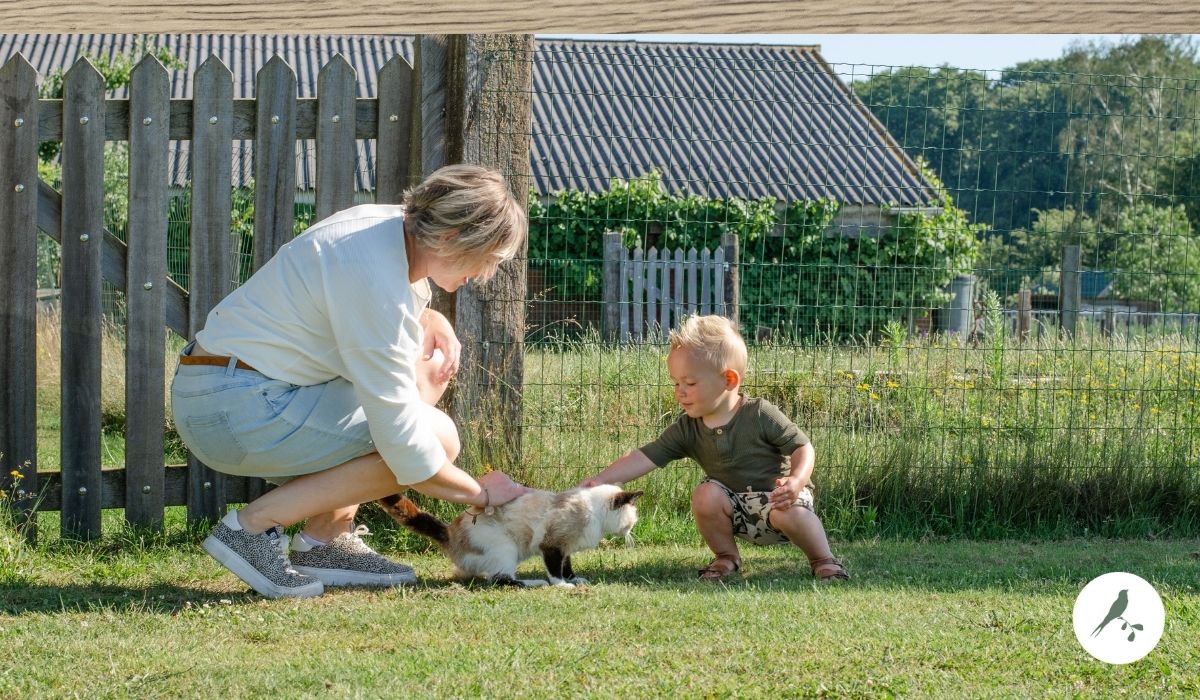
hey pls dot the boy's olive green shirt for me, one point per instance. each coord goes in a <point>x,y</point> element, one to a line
<point>749,452</point>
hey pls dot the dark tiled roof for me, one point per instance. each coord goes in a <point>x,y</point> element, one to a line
<point>715,119</point>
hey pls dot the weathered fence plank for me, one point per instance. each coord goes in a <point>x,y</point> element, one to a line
<point>245,111</point>
<point>397,164</point>
<point>335,137</point>
<point>733,290</point>
<point>664,289</point>
<point>612,285</point>
<point>720,289</point>
<point>145,337</point>
<point>211,244</point>
<point>113,486</point>
<point>652,293</point>
<point>82,239</point>
<point>637,268</point>
<point>18,285</point>
<point>274,167</point>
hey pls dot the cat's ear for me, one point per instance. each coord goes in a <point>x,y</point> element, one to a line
<point>624,498</point>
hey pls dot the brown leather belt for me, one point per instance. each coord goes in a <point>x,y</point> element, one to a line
<point>214,360</point>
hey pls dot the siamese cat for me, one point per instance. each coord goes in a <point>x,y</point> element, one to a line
<point>490,544</point>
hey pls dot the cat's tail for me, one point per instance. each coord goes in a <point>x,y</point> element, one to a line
<point>410,516</point>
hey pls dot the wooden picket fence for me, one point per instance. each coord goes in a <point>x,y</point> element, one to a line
<point>647,293</point>
<point>212,120</point>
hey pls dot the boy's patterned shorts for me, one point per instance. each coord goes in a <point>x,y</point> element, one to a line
<point>751,510</point>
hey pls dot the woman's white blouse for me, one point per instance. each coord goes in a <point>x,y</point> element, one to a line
<point>336,302</point>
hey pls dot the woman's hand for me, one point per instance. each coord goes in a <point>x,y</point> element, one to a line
<point>439,335</point>
<point>500,488</point>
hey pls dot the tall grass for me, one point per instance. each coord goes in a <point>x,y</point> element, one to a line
<point>914,436</point>
<point>112,393</point>
<point>931,436</point>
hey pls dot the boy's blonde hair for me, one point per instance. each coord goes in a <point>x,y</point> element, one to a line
<point>476,203</point>
<point>712,339</point>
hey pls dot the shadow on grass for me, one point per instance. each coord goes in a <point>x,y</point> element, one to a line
<point>1011,566</point>
<point>159,599</point>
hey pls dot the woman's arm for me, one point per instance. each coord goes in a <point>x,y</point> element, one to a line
<point>453,484</point>
<point>439,335</point>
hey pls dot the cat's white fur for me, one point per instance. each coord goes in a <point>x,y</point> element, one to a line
<point>491,544</point>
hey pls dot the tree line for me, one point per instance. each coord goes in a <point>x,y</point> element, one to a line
<point>1099,147</point>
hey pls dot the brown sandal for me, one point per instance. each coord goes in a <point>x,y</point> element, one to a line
<point>828,569</point>
<point>717,569</point>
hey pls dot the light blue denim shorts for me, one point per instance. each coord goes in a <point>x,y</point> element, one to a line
<point>237,421</point>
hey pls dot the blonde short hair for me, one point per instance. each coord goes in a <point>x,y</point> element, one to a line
<point>711,339</point>
<point>466,212</point>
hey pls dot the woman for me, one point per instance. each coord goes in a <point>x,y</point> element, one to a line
<point>321,372</point>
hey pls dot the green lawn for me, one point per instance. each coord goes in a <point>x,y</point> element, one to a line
<point>125,618</point>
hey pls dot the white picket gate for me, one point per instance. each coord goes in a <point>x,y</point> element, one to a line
<point>649,292</point>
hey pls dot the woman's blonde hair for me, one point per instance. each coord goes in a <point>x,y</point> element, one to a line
<point>711,339</point>
<point>466,212</point>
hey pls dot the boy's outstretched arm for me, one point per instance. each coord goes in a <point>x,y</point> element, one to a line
<point>787,488</point>
<point>624,469</point>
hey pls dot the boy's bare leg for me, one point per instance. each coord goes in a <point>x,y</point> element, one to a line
<point>804,529</point>
<point>714,520</point>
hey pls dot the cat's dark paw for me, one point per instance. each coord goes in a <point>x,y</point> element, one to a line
<point>506,580</point>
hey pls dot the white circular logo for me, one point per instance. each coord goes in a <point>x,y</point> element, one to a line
<point>1118,618</point>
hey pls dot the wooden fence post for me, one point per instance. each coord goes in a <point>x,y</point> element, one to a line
<point>145,293</point>
<point>82,240</point>
<point>18,287</point>
<point>733,293</point>
<point>488,102</point>
<point>1070,289</point>
<point>1024,314</point>
<point>613,253</point>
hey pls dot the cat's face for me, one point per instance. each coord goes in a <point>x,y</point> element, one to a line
<point>623,514</point>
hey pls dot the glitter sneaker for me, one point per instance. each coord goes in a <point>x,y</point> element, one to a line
<point>259,560</point>
<point>348,561</point>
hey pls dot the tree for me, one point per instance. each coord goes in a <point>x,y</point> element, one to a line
<point>1157,257</point>
<point>1138,101</point>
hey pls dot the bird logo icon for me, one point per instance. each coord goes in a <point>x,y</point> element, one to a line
<point>1111,600</point>
<point>1115,612</point>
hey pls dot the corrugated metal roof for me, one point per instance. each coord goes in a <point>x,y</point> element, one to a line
<point>714,119</point>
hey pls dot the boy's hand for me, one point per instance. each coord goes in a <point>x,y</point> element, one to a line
<point>590,482</point>
<point>786,490</point>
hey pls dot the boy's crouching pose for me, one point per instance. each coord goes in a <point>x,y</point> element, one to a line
<point>756,461</point>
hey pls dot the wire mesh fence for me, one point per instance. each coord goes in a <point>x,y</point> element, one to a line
<point>900,275</point>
